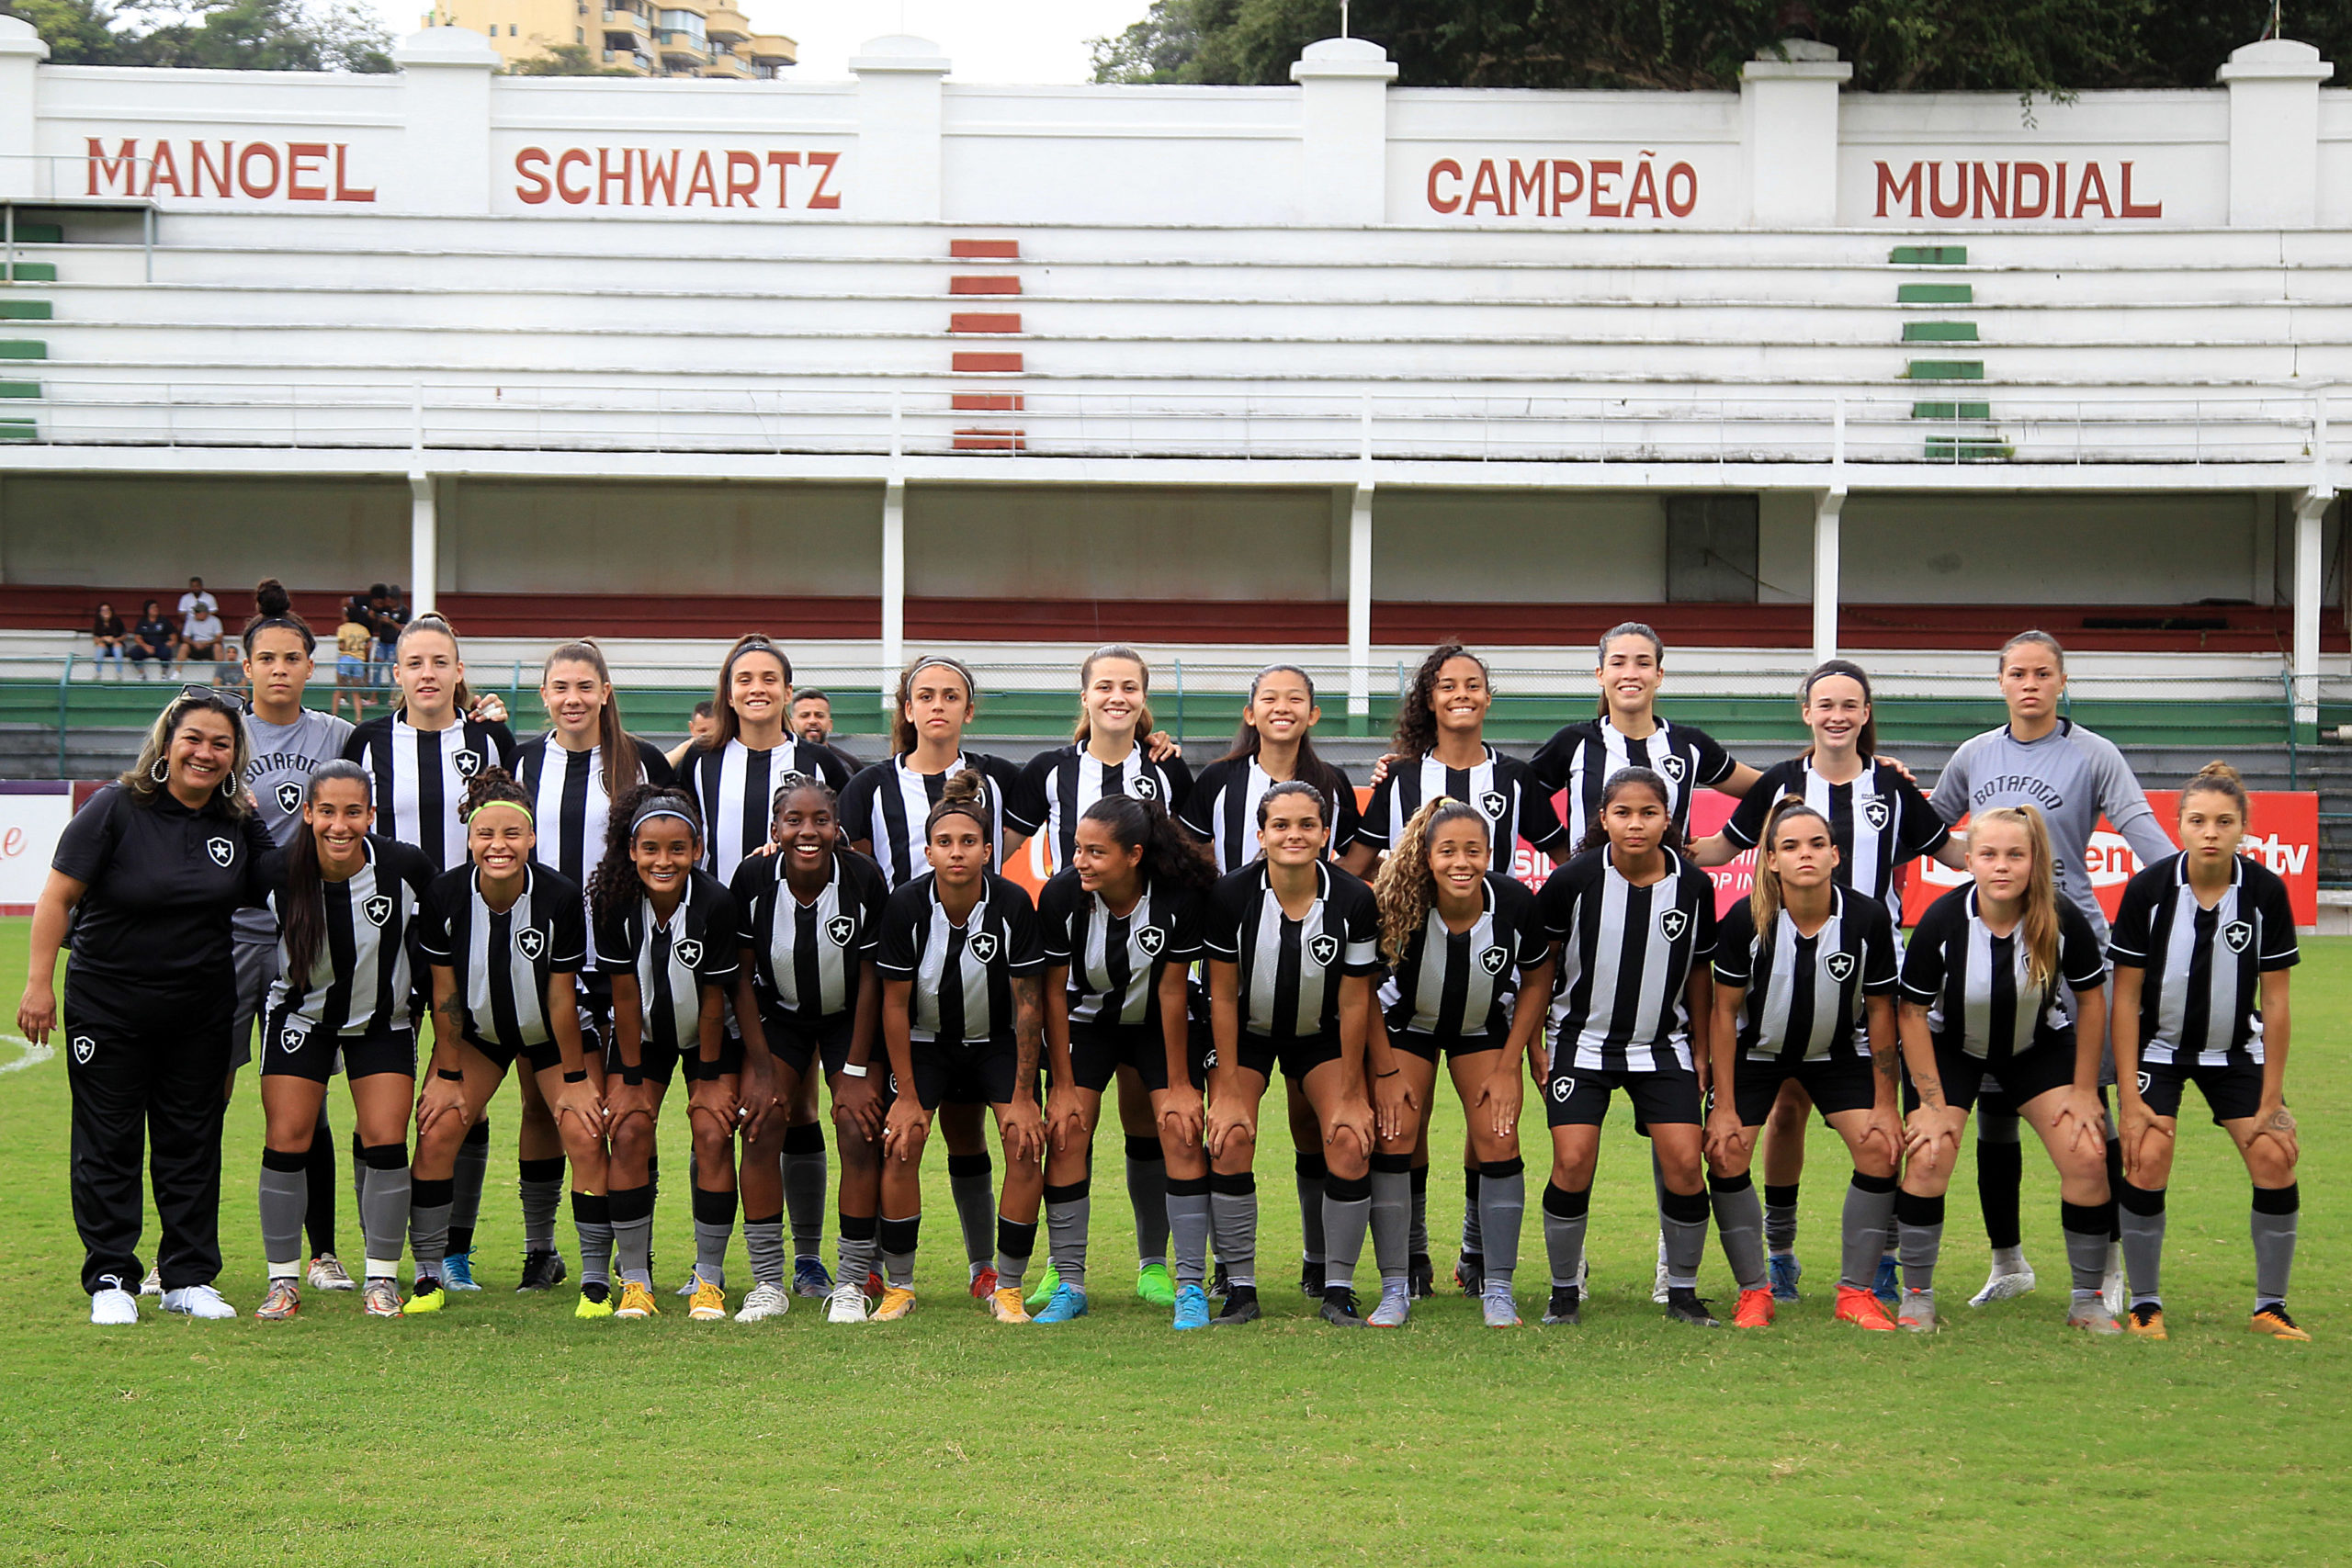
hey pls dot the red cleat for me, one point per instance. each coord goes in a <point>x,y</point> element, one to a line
<point>1755,1310</point>
<point>984,1284</point>
<point>1862,1310</point>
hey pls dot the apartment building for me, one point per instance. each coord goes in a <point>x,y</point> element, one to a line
<point>640,37</point>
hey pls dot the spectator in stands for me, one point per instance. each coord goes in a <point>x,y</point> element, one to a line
<point>197,601</point>
<point>200,634</point>
<point>390,615</point>
<point>353,640</point>
<point>812,720</point>
<point>153,639</point>
<point>699,728</point>
<point>107,636</point>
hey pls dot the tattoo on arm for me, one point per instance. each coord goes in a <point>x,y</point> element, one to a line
<point>1029,1013</point>
<point>1888,1066</point>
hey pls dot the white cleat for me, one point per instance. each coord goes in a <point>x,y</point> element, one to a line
<point>198,1300</point>
<point>2003,1287</point>
<point>327,1273</point>
<point>153,1285</point>
<point>1396,1306</point>
<point>112,1306</point>
<point>2110,1284</point>
<point>764,1302</point>
<point>847,1304</point>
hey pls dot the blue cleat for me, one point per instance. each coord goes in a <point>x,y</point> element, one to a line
<point>1067,1302</point>
<point>1191,1307</point>
<point>457,1272</point>
<point>1883,1286</point>
<point>809,1278</point>
<point>1786,1272</point>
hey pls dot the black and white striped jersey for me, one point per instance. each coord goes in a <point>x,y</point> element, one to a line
<point>1582,759</point>
<point>807,959</point>
<point>1804,993</point>
<point>1618,1002</point>
<point>502,959</point>
<point>962,990</point>
<point>1068,779</point>
<point>698,946</point>
<point>885,806</point>
<point>359,979</point>
<point>1976,986</point>
<point>1222,811</point>
<point>568,799</point>
<point>421,777</point>
<point>1878,822</point>
<point>1115,961</point>
<point>735,789</point>
<point>1291,969</point>
<point>1502,788</point>
<point>2201,996</point>
<point>1454,984</point>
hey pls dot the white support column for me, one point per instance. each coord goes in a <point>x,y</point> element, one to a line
<point>894,584</point>
<point>21,52</point>
<point>2274,133</point>
<point>444,164</point>
<point>1827,507</point>
<point>2311,509</point>
<point>1788,110</point>
<point>1360,603</point>
<point>1343,131</point>
<point>423,542</point>
<point>894,174</point>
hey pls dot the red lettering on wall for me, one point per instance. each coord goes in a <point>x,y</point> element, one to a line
<point>1644,190</point>
<point>298,156</point>
<point>1891,187</point>
<point>202,162</point>
<point>2017,208</point>
<point>1604,169</point>
<point>782,163</point>
<point>1993,191</point>
<point>2152,209</point>
<point>2091,176</point>
<point>1485,188</point>
<point>1689,177</point>
<point>1567,183</point>
<point>343,189</point>
<point>1452,171</point>
<point>1936,202</point>
<point>606,175</point>
<point>122,167</point>
<point>564,161</point>
<point>823,163</point>
<point>245,169</point>
<point>165,169</point>
<point>1532,184</point>
<point>747,186</point>
<point>527,163</point>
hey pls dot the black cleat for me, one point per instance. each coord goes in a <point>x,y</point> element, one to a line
<point>1420,1278</point>
<point>1339,1308</point>
<point>1683,1305</point>
<point>1565,1309</point>
<point>1218,1284</point>
<point>542,1271</point>
<point>1470,1273</point>
<point>1241,1307</point>
<point>1310,1280</point>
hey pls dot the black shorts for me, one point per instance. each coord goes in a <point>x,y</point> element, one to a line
<point>1294,1057</point>
<point>303,1053</point>
<point>2022,1077</point>
<point>2232,1091</point>
<point>541,1054</point>
<point>797,1044</point>
<point>1097,1051</point>
<point>982,1073</point>
<point>1429,1047</point>
<point>1836,1085</point>
<point>1575,1097</point>
<point>660,1063</point>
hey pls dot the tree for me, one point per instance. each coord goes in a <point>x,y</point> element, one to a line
<point>564,60</point>
<point>2022,46</point>
<point>227,34</point>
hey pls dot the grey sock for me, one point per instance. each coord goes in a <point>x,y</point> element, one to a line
<point>1780,1218</point>
<point>1016,1243</point>
<point>383,1213</point>
<point>975,1196</point>
<point>428,1224</point>
<point>1565,1213</point>
<point>2088,1229</point>
<point>898,1244</point>
<point>1347,1211</point>
<point>857,1252</point>
<point>1417,1238</point>
<point>542,1193</point>
<point>2143,1219</point>
<point>592,1217</point>
<point>1502,1202</point>
<point>633,1249</point>
<point>285,1196</point>
<point>1188,1228</point>
<point>466,1181</point>
<point>1919,1224</point>
<point>714,1228</point>
<point>1068,1211</point>
<point>1739,1226</point>
<point>2275,1212</point>
<point>805,1173</point>
<point>1233,1220</point>
<point>1474,1225</point>
<point>1392,1200</point>
<point>1869,1216</point>
<point>764,1239</point>
<point>1682,1223</point>
<point>1147,1196</point>
<point>1311,1173</point>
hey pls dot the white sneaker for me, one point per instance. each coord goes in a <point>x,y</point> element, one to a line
<point>764,1302</point>
<point>153,1284</point>
<point>1396,1306</point>
<point>2110,1284</point>
<point>1658,1285</point>
<point>847,1304</point>
<point>114,1304</point>
<point>2002,1287</point>
<point>198,1300</point>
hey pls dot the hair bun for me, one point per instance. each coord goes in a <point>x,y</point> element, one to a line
<point>970,784</point>
<point>2219,769</point>
<point>271,598</point>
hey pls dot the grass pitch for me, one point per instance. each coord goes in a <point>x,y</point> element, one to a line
<point>503,1431</point>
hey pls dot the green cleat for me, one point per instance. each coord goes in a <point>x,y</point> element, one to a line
<point>1047,1283</point>
<point>1154,1285</point>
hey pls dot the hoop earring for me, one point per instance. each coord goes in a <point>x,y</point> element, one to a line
<point>229,787</point>
<point>160,772</point>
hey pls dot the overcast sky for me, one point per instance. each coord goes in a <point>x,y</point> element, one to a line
<point>990,41</point>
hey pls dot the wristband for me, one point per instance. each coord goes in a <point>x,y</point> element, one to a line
<point>854,1069</point>
<point>444,1074</point>
<point>577,1075</point>
<point>632,1077</point>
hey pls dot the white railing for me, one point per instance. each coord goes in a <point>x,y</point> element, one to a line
<point>1909,423</point>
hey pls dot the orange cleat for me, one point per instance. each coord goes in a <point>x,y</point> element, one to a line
<point>1754,1310</point>
<point>1861,1309</point>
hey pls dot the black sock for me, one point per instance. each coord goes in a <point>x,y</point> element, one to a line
<point>320,1167</point>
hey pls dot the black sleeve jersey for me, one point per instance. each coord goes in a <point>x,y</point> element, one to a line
<point>1619,1003</point>
<point>1115,961</point>
<point>502,961</point>
<point>1803,993</point>
<point>2201,996</point>
<point>164,884</point>
<point>961,976</point>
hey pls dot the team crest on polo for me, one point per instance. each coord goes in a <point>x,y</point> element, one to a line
<point>466,760</point>
<point>289,796</point>
<point>222,851</point>
<point>378,909</point>
<point>2237,934</point>
<point>1672,922</point>
<point>84,1049</point>
<point>1323,948</point>
<point>1494,803</point>
<point>1876,814</point>
<point>1151,939</point>
<point>1841,966</point>
<point>1671,766</point>
<point>839,929</point>
<point>531,941</point>
<point>1145,787</point>
<point>1493,960</point>
<point>689,953</point>
<point>983,946</point>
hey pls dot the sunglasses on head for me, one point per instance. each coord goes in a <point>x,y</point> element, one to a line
<point>215,695</point>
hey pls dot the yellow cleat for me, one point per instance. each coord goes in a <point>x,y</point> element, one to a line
<point>598,1305</point>
<point>708,1303</point>
<point>897,1302</point>
<point>2146,1323</point>
<point>2274,1321</point>
<point>1006,1306</point>
<point>637,1300</point>
<point>426,1296</point>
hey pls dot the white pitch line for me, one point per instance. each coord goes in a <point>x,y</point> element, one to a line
<point>32,1055</point>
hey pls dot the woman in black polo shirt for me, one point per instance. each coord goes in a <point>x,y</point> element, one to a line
<point>156,863</point>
